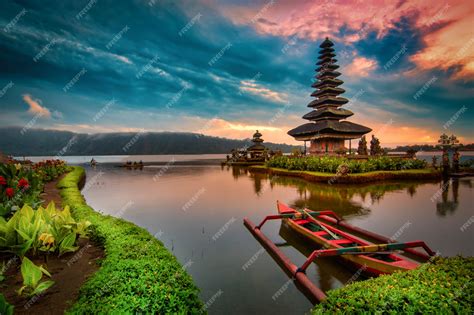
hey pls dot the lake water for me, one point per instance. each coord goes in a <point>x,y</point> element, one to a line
<point>196,209</point>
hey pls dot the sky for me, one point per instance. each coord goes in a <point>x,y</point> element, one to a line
<point>226,68</point>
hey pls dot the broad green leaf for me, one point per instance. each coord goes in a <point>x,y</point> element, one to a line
<point>30,272</point>
<point>43,286</point>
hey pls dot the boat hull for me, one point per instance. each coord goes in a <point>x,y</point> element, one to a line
<point>365,264</point>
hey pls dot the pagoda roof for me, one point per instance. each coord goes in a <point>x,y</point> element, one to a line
<point>327,90</point>
<point>326,128</point>
<point>327,50</point>
<point>257,134</point>
<point>327,55</point>
<point>331,66</point>
<point>327,74</point>
<point>326,43</point>
<point>325,60</point>
<point>336,113</point>
<point>327,82</point>
<point>334,101</point>
<point>256,147</point>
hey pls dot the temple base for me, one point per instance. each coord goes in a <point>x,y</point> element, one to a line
<point>327,146</point>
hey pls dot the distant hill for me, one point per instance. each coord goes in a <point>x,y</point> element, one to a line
<point>37,142</point>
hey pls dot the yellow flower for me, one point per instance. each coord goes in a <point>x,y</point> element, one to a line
<point>46,238</point>
<point>18,166</point>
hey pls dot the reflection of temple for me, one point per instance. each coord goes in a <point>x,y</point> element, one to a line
<point>446,206</point>
<point>346,200</point>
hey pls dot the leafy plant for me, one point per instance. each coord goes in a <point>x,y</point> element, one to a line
<point>46,230</point>
<point>32,275</point>
<point>5,307</point>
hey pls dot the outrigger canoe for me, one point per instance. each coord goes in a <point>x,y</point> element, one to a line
<point>371,259</point>
<point>323,235</point>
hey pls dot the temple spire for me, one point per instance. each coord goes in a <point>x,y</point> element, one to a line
<point>327,112</point>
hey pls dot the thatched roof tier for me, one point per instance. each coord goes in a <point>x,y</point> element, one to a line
<point>327,82</point>
<point>328,101</point>
<point>329,129</point>
<point>326,91</point>
<point>330,113</point>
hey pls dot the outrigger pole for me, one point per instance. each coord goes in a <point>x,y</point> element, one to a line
<point>313,293</point>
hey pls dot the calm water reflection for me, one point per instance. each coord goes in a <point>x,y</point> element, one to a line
<point>197,212</point>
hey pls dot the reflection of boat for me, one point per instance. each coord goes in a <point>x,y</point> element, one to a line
<point>373,260</point>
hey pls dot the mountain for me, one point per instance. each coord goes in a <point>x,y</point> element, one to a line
<point>36,142</point>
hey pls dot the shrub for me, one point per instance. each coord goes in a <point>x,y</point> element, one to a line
<point>49,170</point>
<point>138,274</point>
<point>442,287</point>
<point>330,164</point>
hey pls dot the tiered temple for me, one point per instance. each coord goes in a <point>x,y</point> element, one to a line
<point>257,149</point>
<point>326,132</point>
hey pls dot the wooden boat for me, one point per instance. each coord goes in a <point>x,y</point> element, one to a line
<point>377,261</point>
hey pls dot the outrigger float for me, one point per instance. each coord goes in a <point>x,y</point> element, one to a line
<point>325,230</point>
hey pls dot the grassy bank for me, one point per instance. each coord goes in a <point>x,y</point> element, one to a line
<point>444,287</point>
<point>138,274</point>
<point>422,174</point>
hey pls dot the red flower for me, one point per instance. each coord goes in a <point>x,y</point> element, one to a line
<point>3,181</point>
<point>23,183</point>
<point>9,192</point>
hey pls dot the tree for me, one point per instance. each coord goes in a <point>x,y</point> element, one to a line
<point>375,148</point>
<point>362,149</point>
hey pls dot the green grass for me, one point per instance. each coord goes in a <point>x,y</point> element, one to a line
<point>443,287</point>
<point>138,274</point>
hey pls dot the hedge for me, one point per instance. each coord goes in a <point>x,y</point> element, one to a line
<point>138,274</point>
<point>329,164</point>
<point>444,286</point>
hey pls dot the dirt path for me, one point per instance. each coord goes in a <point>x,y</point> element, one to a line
<point>51,193</point>
<point>69,272</point>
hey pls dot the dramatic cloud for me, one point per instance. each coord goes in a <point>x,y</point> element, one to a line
<point>446,27</point>
<point>35,107</point>
<point>256,89</point>
<point>160,77</point>
<point>361,67</point>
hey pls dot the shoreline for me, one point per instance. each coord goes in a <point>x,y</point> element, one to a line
<point>318,177</point>
<point>138,273</point>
